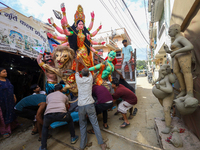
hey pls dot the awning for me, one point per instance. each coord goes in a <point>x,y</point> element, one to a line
<point>157,9</point>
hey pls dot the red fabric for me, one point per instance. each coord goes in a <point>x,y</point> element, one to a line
<point>114,60</point>
<point>125,94</point>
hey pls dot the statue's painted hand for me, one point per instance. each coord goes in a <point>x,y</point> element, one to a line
<point>157,86</point>
<point>49,35</point>
<point>92,14</point>
<point>88,37</point>
<point>45,66</point>
<point>62,7</point>
<point>102,43</point>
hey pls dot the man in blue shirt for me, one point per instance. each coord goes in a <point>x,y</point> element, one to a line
<point>32,107</point>
<point>126,58</point>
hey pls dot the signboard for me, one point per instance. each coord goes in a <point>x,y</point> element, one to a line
<point>19,33</point>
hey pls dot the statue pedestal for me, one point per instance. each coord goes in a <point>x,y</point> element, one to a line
<point>190,141</point>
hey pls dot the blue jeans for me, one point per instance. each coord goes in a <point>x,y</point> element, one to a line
<point>52,117</point>
<point>91,112</point>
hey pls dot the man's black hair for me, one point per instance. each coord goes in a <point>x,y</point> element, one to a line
<point>33,87</point>
<point>85,72</point>
<point>47,53</point>
<point>61,82</point>
<point>124,41</point>
<point>58,87</point>
<point>115,81</point>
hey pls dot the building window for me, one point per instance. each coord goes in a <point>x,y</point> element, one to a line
<point>118,54</point>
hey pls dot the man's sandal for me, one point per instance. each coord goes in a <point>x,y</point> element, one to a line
<point>34,132</point>
<point>91,131</point>
<point>124,124</point>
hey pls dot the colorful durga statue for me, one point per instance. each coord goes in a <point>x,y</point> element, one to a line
<point>105,70</point>
<point>76,36</point>
<point>51,76</point>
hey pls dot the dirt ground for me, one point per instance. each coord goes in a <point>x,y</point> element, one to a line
<point>140,130</point>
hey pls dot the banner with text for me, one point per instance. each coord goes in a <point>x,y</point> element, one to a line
<point>19,33</point>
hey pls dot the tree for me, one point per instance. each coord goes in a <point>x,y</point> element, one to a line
<point>141,64</point>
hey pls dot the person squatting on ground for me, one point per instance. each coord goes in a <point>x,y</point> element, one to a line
<point>124,83</point>
<point>7,102</point>
<point>104,102</point>
<point>36,89</point>
<point>127,53</point>
<point>86,107</point>
<point>32,107</point>
<point>129,99</point>
<point>56,111</point>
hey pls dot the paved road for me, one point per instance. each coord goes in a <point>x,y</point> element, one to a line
<point>140,130</point>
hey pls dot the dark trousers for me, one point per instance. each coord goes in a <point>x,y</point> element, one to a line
<point>52,117</point>
<point>103,107</point>
<point>28,112</point>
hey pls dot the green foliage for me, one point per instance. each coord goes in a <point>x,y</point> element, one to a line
<point>141,64</point>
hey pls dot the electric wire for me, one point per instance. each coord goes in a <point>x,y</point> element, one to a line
<point>129,28</point>
<point>135,22</point>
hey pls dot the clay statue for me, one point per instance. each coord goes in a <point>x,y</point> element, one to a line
<point>176,140</point>
<point>181,53</point>
<point>163,90</point>
<point>186,106</point>
<point>63,58</point>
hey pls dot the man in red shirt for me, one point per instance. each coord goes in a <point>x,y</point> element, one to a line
<point>129,99</point>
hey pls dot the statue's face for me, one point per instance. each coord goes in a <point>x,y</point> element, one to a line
<point>172,32</point>
<point>48,58</point>
<point>62,57</point>
<point>80,25</point>
<point>111,56</point>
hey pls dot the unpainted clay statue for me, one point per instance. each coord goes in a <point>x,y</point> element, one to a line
<point>176,140</point>
<point>163,90</point>
<point>186,106</point>
<point>181,52</point>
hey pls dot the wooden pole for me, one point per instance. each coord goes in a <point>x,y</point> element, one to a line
<point>121,136</point>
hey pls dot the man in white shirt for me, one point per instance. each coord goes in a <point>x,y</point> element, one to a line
<point>56,111</point>
<point>86,106</point>
<point>37,90</point>
<point>127,58</point>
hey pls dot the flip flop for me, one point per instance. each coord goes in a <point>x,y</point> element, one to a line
<point>91,131</point>
<point>125,124</point>
<point>6,135</point>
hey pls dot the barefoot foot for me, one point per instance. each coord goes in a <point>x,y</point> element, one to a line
<point>166,130</point>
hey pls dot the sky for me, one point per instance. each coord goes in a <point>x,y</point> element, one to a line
<point>42,10</point>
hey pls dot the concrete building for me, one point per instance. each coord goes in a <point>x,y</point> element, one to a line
<point>186,13</point>
<point>113,41</point>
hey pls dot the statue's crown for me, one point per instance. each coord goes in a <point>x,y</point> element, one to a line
<point>79,15</point>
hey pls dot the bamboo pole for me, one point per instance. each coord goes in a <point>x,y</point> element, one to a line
<point>121,136</point>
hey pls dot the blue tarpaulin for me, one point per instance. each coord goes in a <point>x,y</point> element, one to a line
<point>52,41</point>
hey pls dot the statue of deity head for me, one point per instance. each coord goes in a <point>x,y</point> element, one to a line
<point>47,57</point>
<point>111,55</point>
